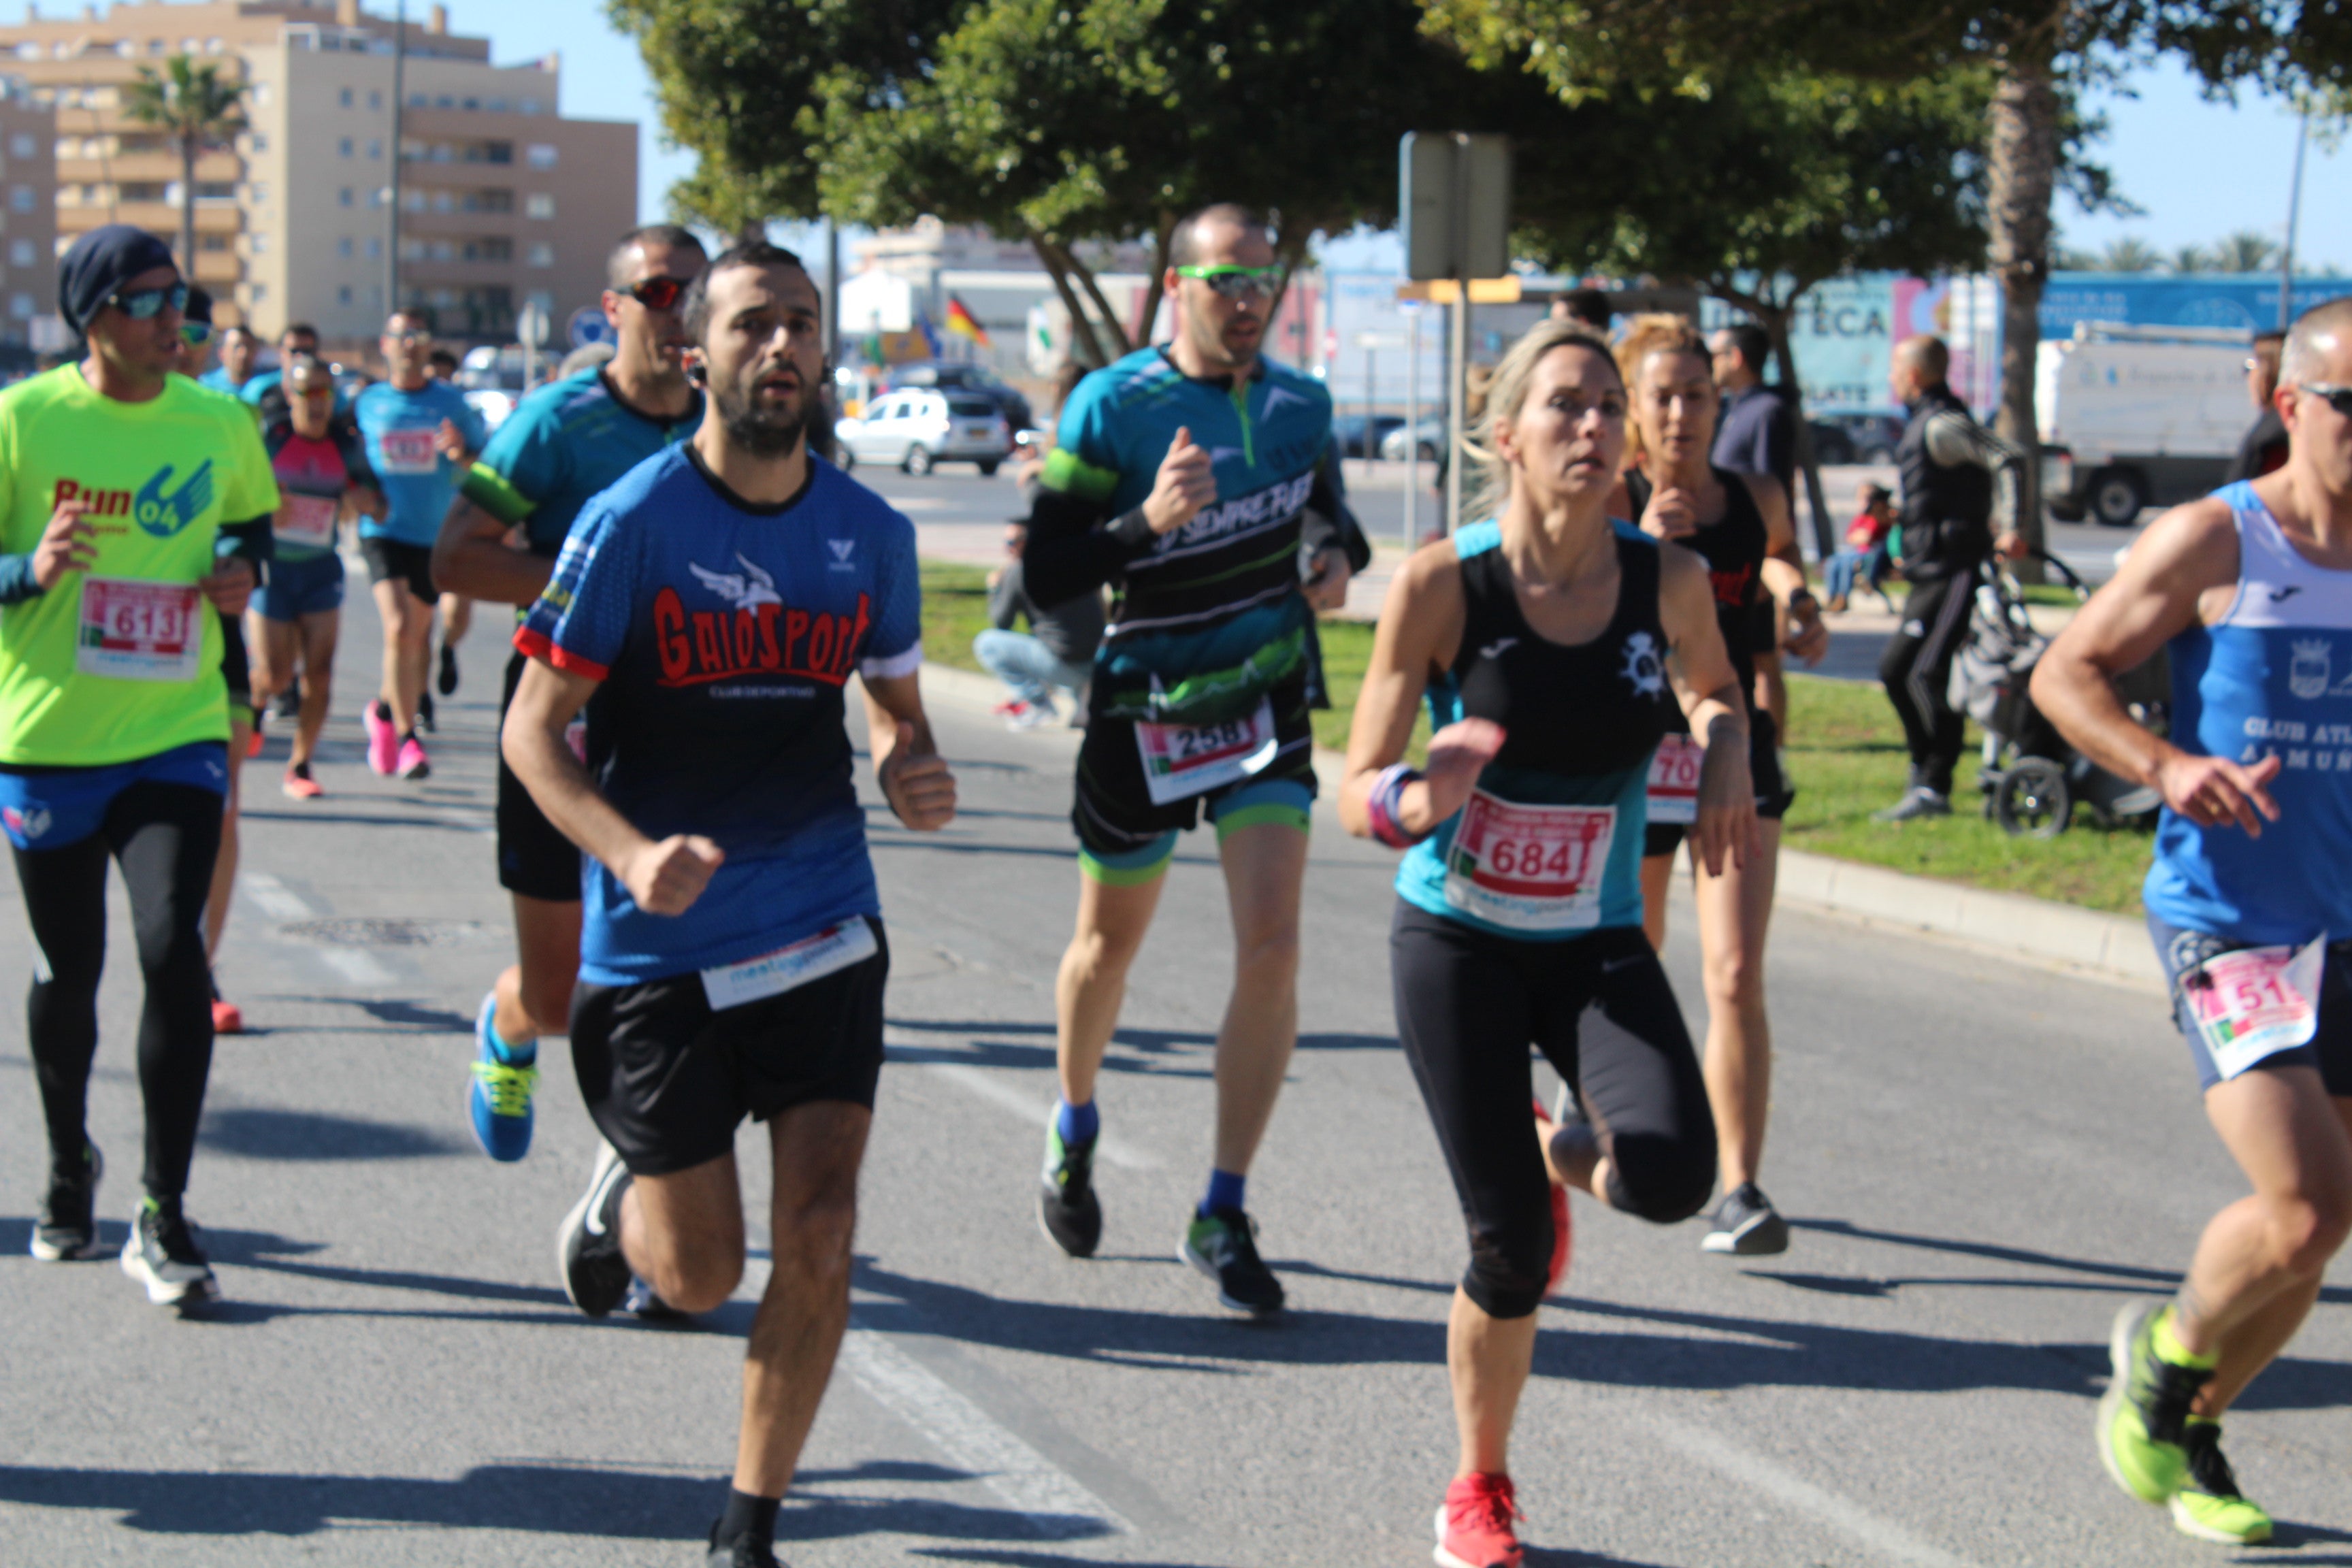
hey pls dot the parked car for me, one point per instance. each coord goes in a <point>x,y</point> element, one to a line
<point>1429,435</point>
<point>948,375</point>
<point>917,428</point>
<point>1357,437</point>
<point>2138,416</point>
<point>1856,438</point>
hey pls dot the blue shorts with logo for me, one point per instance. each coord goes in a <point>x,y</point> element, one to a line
<point>302,587</point>
<point>2329,1051</point>
<point>48,808</point>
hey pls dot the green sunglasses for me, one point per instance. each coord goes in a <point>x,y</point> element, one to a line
<point>1235,283</point>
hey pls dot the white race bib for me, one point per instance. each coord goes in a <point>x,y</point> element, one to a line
<point>1674,779</point>
<point>406,452</point>
<point>1529,867</point>
<point>2256,1002</point>
<point>307,520</point>
<point>1180,761</point>
<point>773,973</point>
<point>138,631</point>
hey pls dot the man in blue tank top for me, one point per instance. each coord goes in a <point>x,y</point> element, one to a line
<point>1195,480</point>
<point>2249,903</point>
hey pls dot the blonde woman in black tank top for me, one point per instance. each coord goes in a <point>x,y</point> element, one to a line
<point>1740,522</point>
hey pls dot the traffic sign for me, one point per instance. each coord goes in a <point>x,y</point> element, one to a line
<point>531,325</point>
<point>1456,203</point>
<point>587,326</point>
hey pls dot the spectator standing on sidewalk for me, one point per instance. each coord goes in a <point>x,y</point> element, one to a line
<point>1057,650</point>
<point>2263,450</point>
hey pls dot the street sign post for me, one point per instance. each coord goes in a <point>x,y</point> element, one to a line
<point>1455,197</point>
<point>532,327</point>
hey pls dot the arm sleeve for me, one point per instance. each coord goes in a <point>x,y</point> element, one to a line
<point>250,539</point>
<point>1005,599</point>
<point>1954,441</point>
<point>1330,519</point>
<point>522,465</point>
<point>248,495</point>
<point>17,583</point>
<point>580,619</point>
<point>1075,545</point>
<point>893,644</point>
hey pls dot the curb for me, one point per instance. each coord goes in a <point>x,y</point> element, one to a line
<point>2050,935</point>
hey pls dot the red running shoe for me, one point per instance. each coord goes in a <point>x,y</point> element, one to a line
<point>1561,1227</point>
<point>253,743</point>
<point>1475,1527</point>
<point>227,1019</point>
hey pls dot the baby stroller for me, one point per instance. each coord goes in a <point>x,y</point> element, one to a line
<point>2033,782</point>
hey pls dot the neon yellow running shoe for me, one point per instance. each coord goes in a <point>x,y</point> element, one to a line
<point>2209,1504</point>
<point>2146,1409</point>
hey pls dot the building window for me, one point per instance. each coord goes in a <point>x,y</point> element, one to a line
<point>418,101</point>
<point>473,103</point>
<point>529,106</point>
<point>187,46</point>
<point>343,148</point>
<point>215,45</point>
<point>444,102</point>
<point>258,242</point>
<point>375,248</point>
<point>498,106</point>
<point>21,199</point>
<point>343,295</point>
<point>28,51</point>
<point>212,242</point>
<point>258,141</point>
<point>21,145</point>
<point>540,254</point>
<point>21,253</point>
<point>375,99</point>
<point>344,98</point>
<point>260,292</point>
<point>24,307</point>
<point>375,147</point>
<point>539,205</point>
<point>345,196</point>
<point>343,246</point>
<point>215,192</point>
<point>261,94</point>
<point>541,155</point>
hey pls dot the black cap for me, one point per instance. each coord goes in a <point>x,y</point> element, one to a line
<point>101,262</point>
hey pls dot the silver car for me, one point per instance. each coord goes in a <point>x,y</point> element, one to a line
<point>916,427</point>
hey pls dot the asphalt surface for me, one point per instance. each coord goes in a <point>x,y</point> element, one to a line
<point>1983,1164</point>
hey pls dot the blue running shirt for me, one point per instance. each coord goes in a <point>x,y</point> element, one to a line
<point>722,634</point>
<point>2272,678</point>
<point>566,442</point>
<point>418,483</point>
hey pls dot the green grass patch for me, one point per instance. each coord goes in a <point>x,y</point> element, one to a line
<point>955,611</point>
<point>1346,654</point>
<point>1847,760</point>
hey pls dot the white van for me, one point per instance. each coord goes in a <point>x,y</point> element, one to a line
<point>2138,417</point>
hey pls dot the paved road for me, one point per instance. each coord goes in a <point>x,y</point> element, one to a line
<point>1982,1162</point>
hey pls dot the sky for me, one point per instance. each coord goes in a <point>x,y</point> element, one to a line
<point>2198,170</point>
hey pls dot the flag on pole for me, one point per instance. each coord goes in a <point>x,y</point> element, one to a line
<point>929,333</point>
<point>963,323</point>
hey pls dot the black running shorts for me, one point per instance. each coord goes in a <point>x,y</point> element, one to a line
<point>534,857</point>
<point>1115,814</point>
<point>1774,793</point>
<point>668,1080</point>
<point>388,560</point>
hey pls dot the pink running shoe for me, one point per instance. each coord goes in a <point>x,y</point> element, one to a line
<point>301,786</point>
<point>384,740</point>
<point>1475,1526</point>
<point>413,762</point>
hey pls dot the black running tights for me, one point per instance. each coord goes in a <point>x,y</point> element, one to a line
<point>164,838</point>
<point>1468,1005</point>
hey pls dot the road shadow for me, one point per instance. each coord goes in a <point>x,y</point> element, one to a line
<point>2163,1280</point>
<point>545,1499</point>
<point>1147,1042</point>
<point>261,1132</point>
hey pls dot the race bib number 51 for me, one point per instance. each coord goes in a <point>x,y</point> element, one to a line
<point>2256,1002</point>
<point>1529,867</point>
<point>1184,760</point>
<point>138,631</point>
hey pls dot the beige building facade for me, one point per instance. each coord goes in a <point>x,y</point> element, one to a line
<point>502,202</point>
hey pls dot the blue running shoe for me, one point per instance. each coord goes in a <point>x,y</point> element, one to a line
<point>499,1099</point>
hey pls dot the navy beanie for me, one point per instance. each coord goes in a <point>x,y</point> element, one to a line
<point>101,262</point>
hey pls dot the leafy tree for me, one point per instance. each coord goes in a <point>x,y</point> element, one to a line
<point>2131,253</point>
<point>2190,259</point>
<point>196,109</point>
<point>2041,53</point>
<point>2245,251</point>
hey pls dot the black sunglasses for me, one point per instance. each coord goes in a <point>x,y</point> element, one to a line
<point>659,293</point>
<point>2339,398</point>
<point>142,304</point>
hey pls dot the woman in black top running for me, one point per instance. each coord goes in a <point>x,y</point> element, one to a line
<point>1739,523</point>
<point>1553,645</point>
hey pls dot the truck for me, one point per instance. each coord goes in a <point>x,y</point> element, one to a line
<point>2138,417</point>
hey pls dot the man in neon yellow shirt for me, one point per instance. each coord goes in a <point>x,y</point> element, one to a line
<point>133,506</point>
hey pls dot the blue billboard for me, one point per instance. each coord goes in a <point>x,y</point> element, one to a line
<point>2244,300</point>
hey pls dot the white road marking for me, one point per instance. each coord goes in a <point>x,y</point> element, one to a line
<point>1034,1111</point>
<point>1801,1496</point>
<point>274,898</point>
<point>1054,1503</point>
<point>357,967</point>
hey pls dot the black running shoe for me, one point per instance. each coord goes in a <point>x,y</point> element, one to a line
<point>424,714</point>
<point>1222,1245</point>
<point>741,1553</point>
<point>163,1254</point>
<point>588,1246</point>
<point>68,1228</point>
<point>448,683</point>
<point>1067,1210</point>
<point>290,701</point>
<point>1747,1225</point>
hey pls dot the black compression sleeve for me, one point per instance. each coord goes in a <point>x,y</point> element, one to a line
<point>1330,519</point>
<point>1073,549</point>
<point>252,537</point>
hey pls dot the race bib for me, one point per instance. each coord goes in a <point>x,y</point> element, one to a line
<point>2256,1002</point>
<point>307,520</point>
<point>138,631</point>
<point>1180,761</point>
<point>1529,867</point>
<point>1674,779</point>
<point>773,973</point>
<point>406,452</point>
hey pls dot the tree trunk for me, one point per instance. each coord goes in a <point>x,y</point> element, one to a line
<point>187,209</point>
<point>1110,321</point>
<point>1146,315</point>
<point>1084,344</point>
<point>2022,170</point>
<point>1776,322</point>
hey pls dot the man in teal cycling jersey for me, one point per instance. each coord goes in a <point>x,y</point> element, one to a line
<point>1198,482</point>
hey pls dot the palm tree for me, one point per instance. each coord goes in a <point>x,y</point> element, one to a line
<point>2244,251</point>
<point>2193,258</point>
<point>2129,255</point>
<point>197,109</point>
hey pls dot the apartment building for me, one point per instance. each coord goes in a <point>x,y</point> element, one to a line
<point>502,202</point>
<point>29,214</point>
